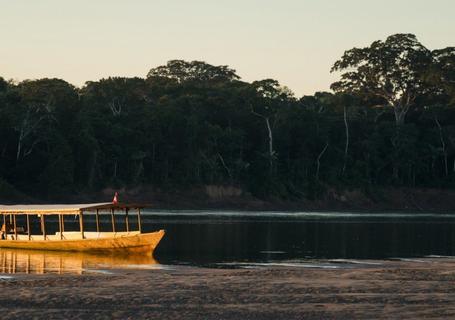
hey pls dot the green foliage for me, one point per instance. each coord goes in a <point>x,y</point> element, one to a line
<point>194,71</point>
<point>191,124</point>
<point>393,70</point>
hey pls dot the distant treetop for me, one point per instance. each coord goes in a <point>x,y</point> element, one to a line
<point>199,71</point>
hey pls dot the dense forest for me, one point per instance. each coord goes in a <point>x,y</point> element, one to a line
<point>389,121</point>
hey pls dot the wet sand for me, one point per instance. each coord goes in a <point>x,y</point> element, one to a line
<point>391,290</point>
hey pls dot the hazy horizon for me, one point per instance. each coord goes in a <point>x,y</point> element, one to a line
<point>294,42</point>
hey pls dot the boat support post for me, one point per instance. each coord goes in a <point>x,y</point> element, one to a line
<point>60,226</point>
<point>127,220</point>
<point>113,220</point>
<point>97,220</point>
<point>4,225</point>
<point>139,222</point>
<point>43,226</point>
<point>15,227</point>
<point>81,223</point>
<point>28,226</point>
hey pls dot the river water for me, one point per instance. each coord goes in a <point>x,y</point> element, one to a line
<point>216,237</point>
<point>226,239</point>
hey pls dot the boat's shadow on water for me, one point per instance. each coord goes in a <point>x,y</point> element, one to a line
<point>16,261</point>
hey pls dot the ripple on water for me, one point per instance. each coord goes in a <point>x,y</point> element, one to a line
<point>309,265</point>
<point>148,267</point>
<point>273,252</point>
<point>410,260</point>
<point>359,262</point>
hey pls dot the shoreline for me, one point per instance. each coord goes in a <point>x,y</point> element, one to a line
<point>384,200</point>
<point>404,289</point>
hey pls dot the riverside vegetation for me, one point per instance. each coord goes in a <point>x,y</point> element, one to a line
<point>390,121</point>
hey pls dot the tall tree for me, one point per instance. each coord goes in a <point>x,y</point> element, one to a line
<point>119,104</point>
<point>393,70</point>
<point>269,96</point>
<point>46,104</point>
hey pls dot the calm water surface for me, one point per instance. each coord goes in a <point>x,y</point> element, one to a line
<point>205,237</point>
<point>233,239</point>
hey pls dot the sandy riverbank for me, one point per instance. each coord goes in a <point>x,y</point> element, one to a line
<point>393,289</point>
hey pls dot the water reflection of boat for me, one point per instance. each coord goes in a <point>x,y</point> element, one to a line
<point>132,241</point>
<point>41,262</point>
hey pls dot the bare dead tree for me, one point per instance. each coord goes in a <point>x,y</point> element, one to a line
<point>26,128</point>
<point>443,146</point>
<point>225,166</point>
<point>271,151</point>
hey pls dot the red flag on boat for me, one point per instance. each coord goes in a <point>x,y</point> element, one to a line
<point>115,200</point>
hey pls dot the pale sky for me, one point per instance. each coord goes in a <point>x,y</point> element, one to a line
<point>293,41</point>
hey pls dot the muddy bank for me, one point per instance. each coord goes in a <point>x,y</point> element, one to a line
<point>393,289</point>
<point>220,197</point>
<point>234,198</point>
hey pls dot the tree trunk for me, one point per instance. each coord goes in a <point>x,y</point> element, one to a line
<point>443,146</point>
<point>19,147</point>
<point>25,130</point>
<point>271,151</point>
<point>400,114</point>
<point>346,146</point>
<point>225,166</point>
<point>319,160</point>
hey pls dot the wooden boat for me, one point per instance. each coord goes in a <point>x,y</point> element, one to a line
<point>125,241</point>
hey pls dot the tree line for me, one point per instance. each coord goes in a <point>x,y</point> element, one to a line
<point>390,121</point>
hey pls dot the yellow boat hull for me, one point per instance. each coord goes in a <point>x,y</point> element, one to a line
<point>144,243</point>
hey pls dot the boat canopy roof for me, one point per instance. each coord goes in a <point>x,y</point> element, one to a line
<point>65,208</point>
